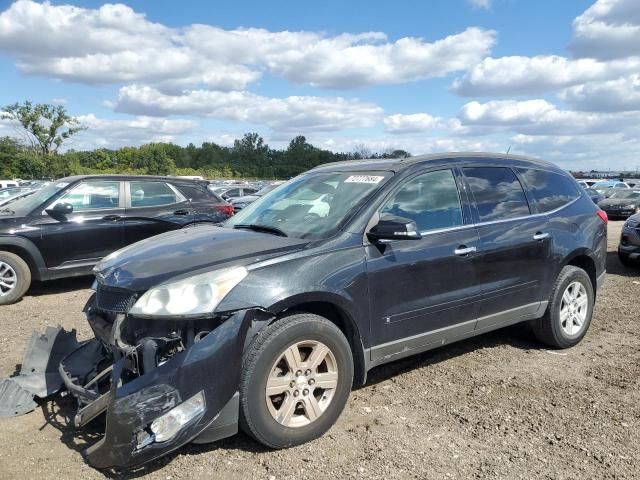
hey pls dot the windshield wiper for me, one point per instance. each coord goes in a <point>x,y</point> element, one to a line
<point>7,211</point>
<point>261,228</point>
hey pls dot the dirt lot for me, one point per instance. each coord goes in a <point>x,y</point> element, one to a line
<point>495,406</point>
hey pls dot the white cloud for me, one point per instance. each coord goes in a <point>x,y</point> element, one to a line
<point>619,95</point>
<point>539,117</point>
<point>605,44</point>
<point>113,133</point>
<point>420,123</point>
<point>115,44</point>
<point>482,4</point>
<point>518,75</point>
<point>348,61</point>
<point>608,29</point>
<point>283,114</point>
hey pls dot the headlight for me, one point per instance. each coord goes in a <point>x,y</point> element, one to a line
<point>195,295</point>
<point>239,205</point>
<point>630,207</point>
<point>167,426</point>
<point>631,223</point>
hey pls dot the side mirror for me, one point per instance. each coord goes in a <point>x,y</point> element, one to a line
<point>60,211</point>
<point>394,228</point>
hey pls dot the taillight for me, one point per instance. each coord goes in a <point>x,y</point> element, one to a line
<point>225,209</point>
<point>603,216</point>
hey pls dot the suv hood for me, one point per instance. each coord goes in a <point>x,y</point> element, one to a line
<point>150,262</point>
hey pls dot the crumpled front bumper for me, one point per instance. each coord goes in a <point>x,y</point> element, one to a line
<point>211,365</point>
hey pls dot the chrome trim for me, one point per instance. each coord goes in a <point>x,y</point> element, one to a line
<point>541,236</point>
<point>465,251</point>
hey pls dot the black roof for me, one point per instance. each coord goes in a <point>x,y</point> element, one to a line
<point>398,164</point>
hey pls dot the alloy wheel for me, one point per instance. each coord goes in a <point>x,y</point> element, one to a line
<point>574,308</point>
<point>302,383</point>
<point>8,279</point>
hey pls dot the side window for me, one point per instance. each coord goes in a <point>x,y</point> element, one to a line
<point>497,193</point>
<point>152,194</point>
<point>94,195</point>
<point>549,190</point>
<point>197,192</point>
<point>431,200</point>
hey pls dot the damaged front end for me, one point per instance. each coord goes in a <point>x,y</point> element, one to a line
<point>158,383</point>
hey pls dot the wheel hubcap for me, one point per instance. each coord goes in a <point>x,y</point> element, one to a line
<point>302,383</point>
<point>574,308</point>
<point>8,279</point>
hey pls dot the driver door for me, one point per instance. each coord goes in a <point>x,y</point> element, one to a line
<point>93,230</point>
<point>423,291</point>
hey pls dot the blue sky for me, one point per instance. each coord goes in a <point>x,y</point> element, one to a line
<point>554,79</point>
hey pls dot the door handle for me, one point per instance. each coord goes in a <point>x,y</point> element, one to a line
<point>463,250</point>
<point>111,218</point>
<point>181,212</point>
<point>541,236</point>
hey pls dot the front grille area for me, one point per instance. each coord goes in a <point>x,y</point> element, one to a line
<point>111,299</point>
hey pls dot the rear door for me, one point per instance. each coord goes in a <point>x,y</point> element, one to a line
<point>426,290</point>
<point>515,245</point>
<point>154,207</point>
<point>92,231</point>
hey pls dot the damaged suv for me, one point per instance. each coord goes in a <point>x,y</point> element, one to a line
<point>267,321</point>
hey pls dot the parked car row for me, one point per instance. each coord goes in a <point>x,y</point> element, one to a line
<point>63,229</point>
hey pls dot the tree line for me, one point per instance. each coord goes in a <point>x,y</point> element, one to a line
<point>42,129</point>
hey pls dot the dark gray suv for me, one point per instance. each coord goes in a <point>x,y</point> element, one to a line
<point>267,321</point>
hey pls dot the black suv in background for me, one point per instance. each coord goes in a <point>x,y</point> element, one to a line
<point>629,246</point>
<point>65,228</point>
<point>269,320</point>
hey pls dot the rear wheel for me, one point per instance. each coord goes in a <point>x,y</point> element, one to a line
<point>295,382</point>
<point>570,309</point>
<point>15,278</point>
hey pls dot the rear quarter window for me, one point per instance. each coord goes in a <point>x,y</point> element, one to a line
<point>548,190</point>
<point>198,193</point>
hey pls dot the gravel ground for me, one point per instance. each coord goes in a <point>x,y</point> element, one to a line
<point>498,405</point>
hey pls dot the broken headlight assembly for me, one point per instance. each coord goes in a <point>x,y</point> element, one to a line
<point>194,296</point>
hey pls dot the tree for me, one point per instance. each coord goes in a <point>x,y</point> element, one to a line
<point>44,127</point>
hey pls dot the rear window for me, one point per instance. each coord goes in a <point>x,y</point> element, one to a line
<point>547,189</point>
<point>497,193</point>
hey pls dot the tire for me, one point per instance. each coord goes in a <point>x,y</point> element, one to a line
<point>15,268</point>
<point>552,329</point>
<point>265,358</point>
<point>626,261</point>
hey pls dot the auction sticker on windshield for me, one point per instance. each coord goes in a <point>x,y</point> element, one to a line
<point>364,179</point>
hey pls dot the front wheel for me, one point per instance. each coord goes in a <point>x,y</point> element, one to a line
<point>570,309</point>
<point>296,380</point>
<point>15,278</point>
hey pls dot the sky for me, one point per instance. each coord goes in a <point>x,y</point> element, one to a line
<point>558,80</point>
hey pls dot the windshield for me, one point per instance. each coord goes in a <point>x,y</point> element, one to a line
<point>314,205</point>
<point>591,191</point>
<point>25,205</point>
<point>625,195</point>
